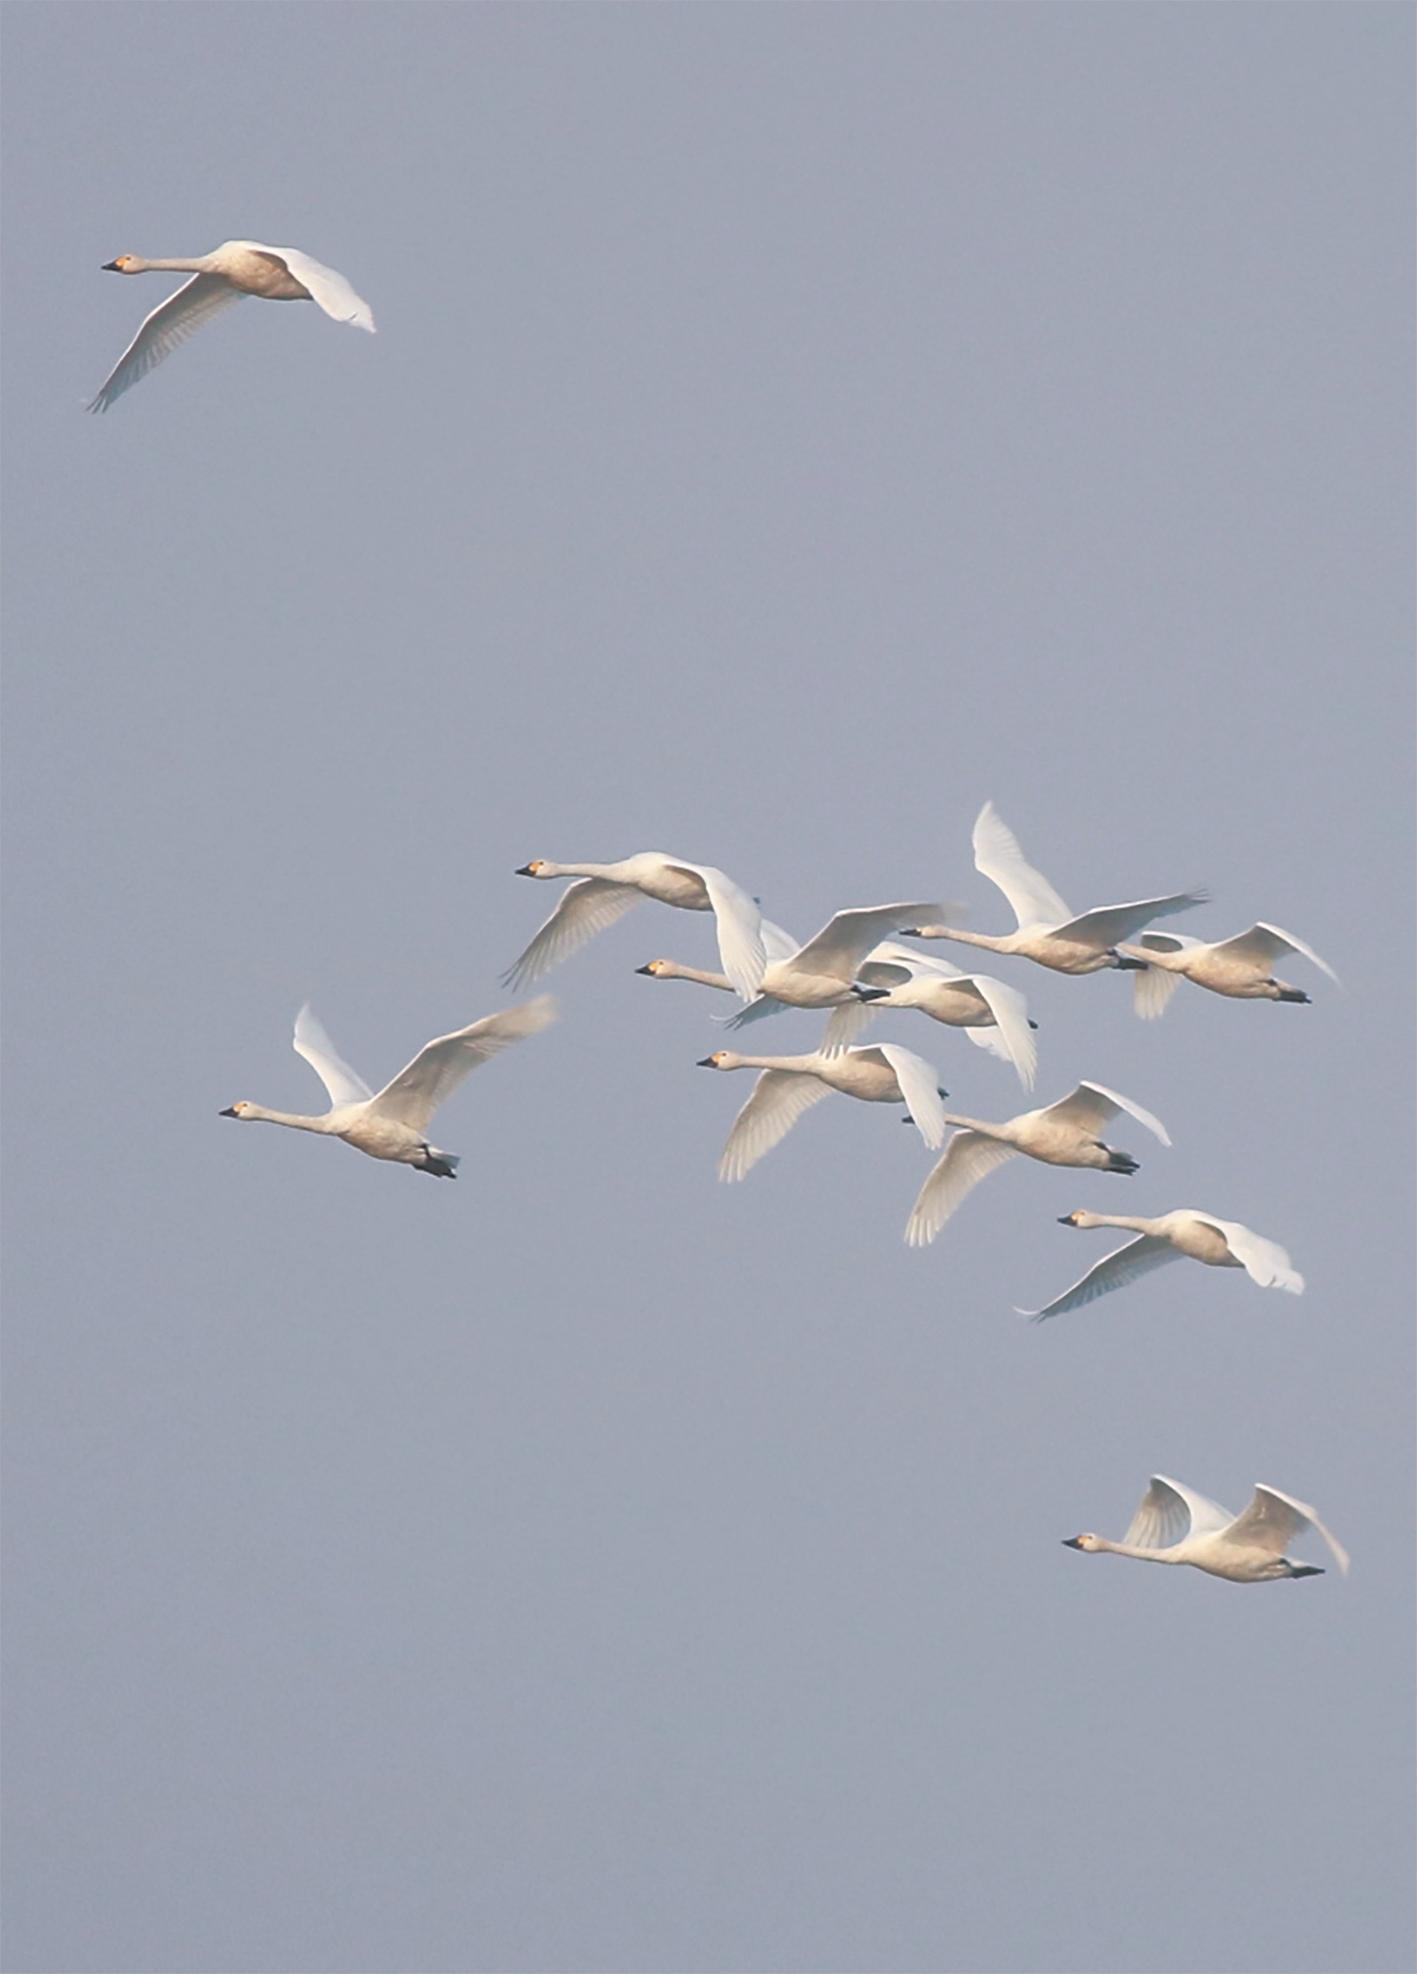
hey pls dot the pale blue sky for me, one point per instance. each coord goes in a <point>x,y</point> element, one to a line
<point>787,427</point>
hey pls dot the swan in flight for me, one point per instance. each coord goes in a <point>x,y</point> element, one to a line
<point>1047,930</point>
<point>1239,967</point>
<point>820,974</point>
<point>393,1123</point>
<point>1065,1133</point>
<point>790,1085</point>
<point>606,891</point>
<point>1174,1524</point>
<point>1172,1237</point>
<point>993,1015</point>
<point>234,269</point>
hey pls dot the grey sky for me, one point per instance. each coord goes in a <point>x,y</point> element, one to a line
<point>787,427</point>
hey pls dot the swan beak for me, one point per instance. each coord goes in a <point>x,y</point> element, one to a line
<point>227,1113</point>
<point>871,993</point>
<point>524,870</point>
<point>705,1062</point>
<point>1072,1542</point>
<point>110,267</point>
<point>1065,1220</point>
<point>638,969</point>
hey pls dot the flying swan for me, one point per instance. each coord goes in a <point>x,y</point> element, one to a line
<point>1064,1133</point>
<point>606,892</point>
<point>790,1085</point>
<point>1239,967</point>
<point>234,269</point>
<point>392,1124</point>
<point>1174,1524</point>
<point>1185,1233</point>
<point>1047,930</point>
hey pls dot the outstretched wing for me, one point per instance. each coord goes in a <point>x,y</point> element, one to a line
<point>998,857</point>
<point>344,1084</point>
<point>845,940</point>
<point>1265,1262</point>
<point>1113,1271</point>
<point>920,1088</point>
<point>968,1157</point>
<point>1105,925</point>
<point>1273,1520</point>
<point>586,908</point>
<point>1153,987</point>
<point>438,1068</point>
<point>327,288</point>
<point>1091,1104</point>
<point>890,964</point>
<point>1168,1512</point>
<point>848,1021</point>
<point>1010,1012</point>
<point>779,1098</point>
<point>170,323</point>
<point>1263,944</point>
<point>740,927</point>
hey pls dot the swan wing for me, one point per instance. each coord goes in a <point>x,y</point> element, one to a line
<point>968,1157</point>
<point>920,1087</point>
<point>170,323</point>
<point>587,907</point>
<point>740,927</point>
<point>998,857</point>
<point>1273,1520</point>
<point>777,943</point>
<point>1105,925</point>
<point>1091,1104</point>
<point>847,1022</point>
<point>345,1085</point>
<point>1265,1262</point>
<point>1152,989</point>
<point>845,940</point>
<point>1113,1271</point>
<point>1169,1511</point>
<point>909,960</point>
<point>780,1096</point>
<point>760,1005</point>
<point>1010,1012</point>
<point>1165,942</point>
<point>1263,944</point>
<point>327,288</point>
<point>440,1065</point>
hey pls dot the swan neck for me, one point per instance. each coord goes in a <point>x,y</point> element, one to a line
<point>260,1115</point>
<point>697,973</point>
<point>962,1123</point>
<point>1132,1223</point>
<point>985,939</point>
<point>197,266</point>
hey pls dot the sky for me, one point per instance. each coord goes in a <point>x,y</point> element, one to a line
<point>787,429</point>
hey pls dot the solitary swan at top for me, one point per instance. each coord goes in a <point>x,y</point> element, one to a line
<point>790,1085</point>
<point>1170,1237</point>
<point>820,974</point>
<point>234,269</point>
<point>1239,967</point>
<point>1174,1524</point>
<point>1065,1133</point>
<point>392,1124</point>
<point>607,891</point>
<point>1047,930</point>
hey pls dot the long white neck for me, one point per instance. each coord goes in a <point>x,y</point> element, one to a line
<point>255,1112</point>
<point>1002,1132</point>
<point>807,1063</point>
<point>985,939</point>
<point>671,970</point>
<point>548,869</point>
<point>1134,1223</point>
<point>1141,1555</point>
<point>196,266</point>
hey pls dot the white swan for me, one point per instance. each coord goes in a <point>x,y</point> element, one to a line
<point>1240,967</point>
<point>606,891</point>
<point>234,269</point>
<point>1170,1237</point>
<point>992,1015</point>
<point>790,1085</point>
<point>1065,1133</point>
<point>392,1124</point>
<point>1047,930</point>
<point>1174,1524</point>
<point>818,975</point>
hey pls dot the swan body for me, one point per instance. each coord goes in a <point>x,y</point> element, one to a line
<point>1063,1133</point>
<point>994,1016</point>
<point>819,974</point>
<point>234,269</point>
<point>1174,1524</point>
<point>393,1124</point>
<point>1184,1234</point>
<point>1240,967</point>
<point>790,1085</point>
<point>605,892</point>
<point>1048,932</point>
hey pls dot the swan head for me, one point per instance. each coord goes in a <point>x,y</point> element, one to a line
<point>538,867</point>
<point>125,264</point>
<point>1080,1218</point>
<point>1090,1544</point>
<point>655,968</point>
<point>720,1059</point>
<point>242,1109</point>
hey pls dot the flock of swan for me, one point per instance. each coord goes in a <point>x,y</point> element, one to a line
<point>853,969</point>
